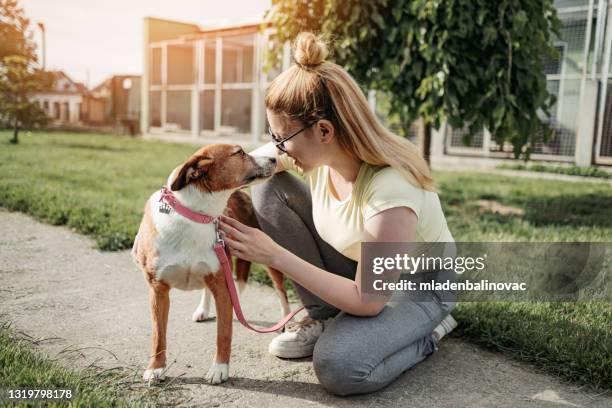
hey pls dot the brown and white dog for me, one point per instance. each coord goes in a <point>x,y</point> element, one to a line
<point>241,208</point>
<point>175,252</point>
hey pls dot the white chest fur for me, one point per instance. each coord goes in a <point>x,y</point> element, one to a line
<point>185,247</point>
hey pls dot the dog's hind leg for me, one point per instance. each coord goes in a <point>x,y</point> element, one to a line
<point>242,273</point>
<point>219,371</point>
<point>159,298</point>
<point>278,280</point>
<point>203,310</point>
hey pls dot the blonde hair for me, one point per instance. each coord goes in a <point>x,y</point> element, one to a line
<point>313,89</point>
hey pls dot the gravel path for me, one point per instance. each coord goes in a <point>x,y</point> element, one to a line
<point>57,287</point>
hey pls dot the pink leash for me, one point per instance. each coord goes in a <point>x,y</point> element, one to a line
<point>168,197</point>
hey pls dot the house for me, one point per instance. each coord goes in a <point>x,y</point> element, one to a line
<point>68,103</point>
<point>208,83</point>
<point>121,97</point>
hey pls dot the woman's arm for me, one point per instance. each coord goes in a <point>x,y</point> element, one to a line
<point>392,225</point>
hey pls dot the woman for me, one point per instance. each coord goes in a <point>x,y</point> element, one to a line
<point>364,184</point>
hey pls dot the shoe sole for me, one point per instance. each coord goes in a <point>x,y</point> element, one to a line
<point>288,353</point>
<point>449,323</point>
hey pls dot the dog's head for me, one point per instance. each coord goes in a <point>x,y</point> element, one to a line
<point>221,167</point>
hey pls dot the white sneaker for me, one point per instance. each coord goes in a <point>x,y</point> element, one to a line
<point>446,326</point>
<point>299,338</point>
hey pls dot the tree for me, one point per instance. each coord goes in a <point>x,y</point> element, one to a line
<point>14,32</point>
<point>19,77</point>
<point>472,62</point>
<point>18,81</point>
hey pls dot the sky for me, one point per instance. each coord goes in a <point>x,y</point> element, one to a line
<point>93,40</point>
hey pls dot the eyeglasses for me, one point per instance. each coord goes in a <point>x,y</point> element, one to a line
<point>280,143</point>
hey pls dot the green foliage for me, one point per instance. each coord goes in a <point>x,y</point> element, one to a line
<point>21,367</point>
<point>100,191</point>
<point>14,36</point>
<point>475,62</point>
<point>19,79</point>
<point>569,340</point>
<point>590,171</point>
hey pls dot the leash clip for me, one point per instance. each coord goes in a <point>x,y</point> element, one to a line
<point>218,239</point>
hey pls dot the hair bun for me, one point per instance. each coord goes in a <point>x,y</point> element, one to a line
<point>310,50</point>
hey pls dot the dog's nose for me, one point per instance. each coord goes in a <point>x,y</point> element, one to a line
<point>273,160</point>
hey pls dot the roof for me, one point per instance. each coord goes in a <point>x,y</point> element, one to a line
<point>62,83</point>
<point>247,23</point>
<point>104,89</point>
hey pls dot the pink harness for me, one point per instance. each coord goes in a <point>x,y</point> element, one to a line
<point>219,247</point>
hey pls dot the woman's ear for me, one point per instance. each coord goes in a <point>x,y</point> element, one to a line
<point>194,168</point>
<point>326,128</point>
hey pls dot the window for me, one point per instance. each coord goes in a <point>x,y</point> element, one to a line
<point>238,59</point>
<point>178,116</point>
<point>155,108</point>
<point>236,110</point>
<point>210,57</point>
<point>458,136</point>
<point>207,110</point>
<point>155,72</point>
<point>553,63</point>
<point>180,64</point>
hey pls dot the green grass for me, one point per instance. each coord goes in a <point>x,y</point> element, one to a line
<point>95,184</point>
<point>98,184</point>
<point>22,367</point>
<point>591,171</point>
<point>570,340</point>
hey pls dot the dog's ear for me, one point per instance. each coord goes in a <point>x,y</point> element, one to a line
<point>193,169</point>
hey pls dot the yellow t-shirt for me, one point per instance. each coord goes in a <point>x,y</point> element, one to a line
<point>377,188</point>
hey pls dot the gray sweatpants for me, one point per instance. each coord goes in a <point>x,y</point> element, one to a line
<point>354,354</point>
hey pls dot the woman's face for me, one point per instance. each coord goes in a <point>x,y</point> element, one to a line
<point>305,148</point>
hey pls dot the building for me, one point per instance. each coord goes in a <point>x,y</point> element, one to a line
<point>581,79</point>
<point>121,98</point>
<point>209,83</point>
<point>62,101</point>
<point>68,103</point>
<point>115,102</point>
<point>206,83</point>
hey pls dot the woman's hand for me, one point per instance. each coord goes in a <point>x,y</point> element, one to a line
<point>250,244</point>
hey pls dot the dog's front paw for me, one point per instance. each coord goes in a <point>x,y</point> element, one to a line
<point>154,374</point>
<point>200,314</point>
<point>218,373</point>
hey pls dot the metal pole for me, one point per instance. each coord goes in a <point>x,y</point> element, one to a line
<point>599,32</point>
<point>604,87</point>
<point>44,46</point>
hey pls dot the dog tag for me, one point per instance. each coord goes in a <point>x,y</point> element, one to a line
<point>164,208</point>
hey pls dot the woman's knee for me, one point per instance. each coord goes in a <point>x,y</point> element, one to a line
<point>278,187</point>
<point>341,375</point>
<point>261,192</point>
